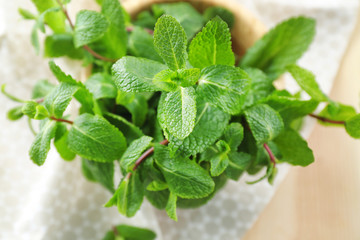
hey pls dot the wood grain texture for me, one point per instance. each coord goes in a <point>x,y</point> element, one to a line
<point>322,201</point>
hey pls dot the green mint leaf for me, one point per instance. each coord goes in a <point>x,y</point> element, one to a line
<point>343,113</point>
<point>101,86</point>
<point>223,13</point>
<point>238,163</point>
<point>135,233</point>
<point>307,82</point>
<point>34,110</point>
<point>224,87</point>
<point>138,108</point>
<point>233,135</point>
<point>130,195</point>
<point>133,152</point>
<point>27,14</point>
<point>265,123</point>
<point>352,126</point>
<point>165,80</point>
<point>281,46</point>
<point>60,75</point>
<point>41,89</point>
<point>60,142</point>
<point>145,19</point>
<point>55,20</point>
<point>189,18</point>
<point>220,160</point>
<point>59,98</point>
<point>171,207</point>
<point>102,173</point>
<point>94,138</point>
<point>180,112</point>
<point>41,145</point>
<point>210,124</point>
<point>133,74</point>
<point>158,199</point>
<point>141,44</point>
<point>115,39</point>
<point>62,44</point>
<point>188,77</point>
<point>15,113</point>
<point>157,185</point>
<point>89,27</point>
<point>212,46</point>
<point>294,149</point>
<point>170,42</point>
<point>185,178</point>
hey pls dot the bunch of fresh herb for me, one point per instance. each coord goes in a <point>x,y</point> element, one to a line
<point>181,113</point>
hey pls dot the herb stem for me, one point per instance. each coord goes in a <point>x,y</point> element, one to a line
<point>323,119</point>
<point>86,47</point>
<point>62,120</point>
<point>271,155</point>
<point>144,156</point>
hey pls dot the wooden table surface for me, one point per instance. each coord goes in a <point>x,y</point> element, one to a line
<point>322,201</point>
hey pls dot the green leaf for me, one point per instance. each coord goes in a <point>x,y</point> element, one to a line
<point>60,142</point>
<point>62,44</point>
<point>224,87</point>
<point>238,163</point>
<point>133,74</point>
<point>164,80</point>
<point>27,14</point>
<point>15,113</point>
<point>189,18</point>
<point>265,123</point>
<point>94,138</point>
<point>184,177</point>
<point>59,98</point>
<point>141,44</point>
<point>41,145</point>
<point>158,199</point>
<point>180,112</point>
<point>145,19</point>
<point>55,20</point>
<point>281,46</point>
<point>130,195</point>
<point>99,172</point>
<point>115,39</point>
<point>188,77</point>
<point>133,152</point>
<point>170,42</point>
<point>209,126</point>
<point>42,88</point>
<point>343,113</point>
<point>294,149</point>
<point>135,233</point>
<point>138,108</point>
<point>101,86</point>
<point>220,160</point>
<point>156,186</point>
<point>171,207</point>
<point>89,27</point>
<point>233,135</point>
<point>60,75</point>
<point>352,126</point>
<point>223,13</point>
<point>307,82</point>
<point>212,46</point>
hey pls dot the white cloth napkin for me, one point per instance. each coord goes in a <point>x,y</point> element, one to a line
<point>56,202</point>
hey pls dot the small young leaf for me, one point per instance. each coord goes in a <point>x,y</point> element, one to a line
<point>133,152</point>
<point>135,74</point>
<point>184,177</point>
<point>224,87</point>
<point>156,186</point>
<point>223,13</point>
<point>99,172</point>
<point>94,138</point>
<point>281,46</point>
<point>220,160</point>
<point>58,45</point>
<point>41,89</point>
<point>60,142</point>
<point>265,123</point>
<point>171,207</point>
<point>233,135</point>
<point>188,77</point>
<point>294,148</point>
<point>27,14</point>
<point>89,27</point>
<point>307,82</point>
<point>164,80</point>
<point>130,195</point>
<point>15,113</point>
<point>352,126</point>
<point>55,20</point>
<point>60,75</point>
<point>343,113</point>
<point>212,46</point>
<point>180,112</point>
<point>101,86</point>
<point>41,145</point>
<point>34,110</point>
<point>170,42</point>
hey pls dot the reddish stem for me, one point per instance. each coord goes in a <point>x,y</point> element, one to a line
<point>271,155</point>
<point>61,120</point>
<point>323,119</point>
